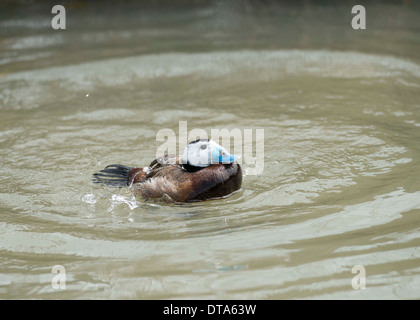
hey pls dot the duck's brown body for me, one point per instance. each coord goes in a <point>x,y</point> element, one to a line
<point>167,178</point>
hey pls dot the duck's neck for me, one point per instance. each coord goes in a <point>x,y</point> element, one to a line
<point>189,168</point>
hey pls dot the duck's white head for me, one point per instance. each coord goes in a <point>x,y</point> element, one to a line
<point>204,152</point>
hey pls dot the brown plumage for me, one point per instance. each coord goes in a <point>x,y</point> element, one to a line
<point>166,178</point>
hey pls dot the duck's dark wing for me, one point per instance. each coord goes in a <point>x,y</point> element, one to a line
<point>162,162</point>
<point>174,182</point>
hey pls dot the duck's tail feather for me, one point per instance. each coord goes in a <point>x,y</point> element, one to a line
<point>116,175</point>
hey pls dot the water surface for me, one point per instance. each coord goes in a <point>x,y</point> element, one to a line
<point>340,186</point>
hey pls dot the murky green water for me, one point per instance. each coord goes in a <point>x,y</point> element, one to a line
<point>341,117</point>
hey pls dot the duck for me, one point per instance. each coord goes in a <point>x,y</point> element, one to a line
<point>205,171</point>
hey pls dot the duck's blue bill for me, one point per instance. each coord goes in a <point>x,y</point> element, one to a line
<point>230,158</point>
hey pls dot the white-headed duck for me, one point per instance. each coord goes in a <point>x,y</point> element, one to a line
<point>205,171</point>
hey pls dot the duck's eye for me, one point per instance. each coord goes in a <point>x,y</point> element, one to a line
<point>222,153</point>
<point>203,147</point>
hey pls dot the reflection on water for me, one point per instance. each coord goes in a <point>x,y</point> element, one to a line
<point>339,186</point>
